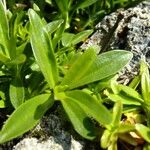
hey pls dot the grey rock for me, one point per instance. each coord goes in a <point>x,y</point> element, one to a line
<point>128,30</point>
<point>49,135</point>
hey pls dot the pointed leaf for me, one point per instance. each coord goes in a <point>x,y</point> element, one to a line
<point>81,36</point>
<point>129,92</point>
<point>103,66</point>
<point>91,106</point>
<point>135,82</point>
<point>143,131</point>
<point>124,128</point>
<point>4,58</point>
<point>106,139</point>
<point>18,60</point>
<point>42,49</point>
<point>4,30</point>
<point>67,39</point>
<point>117,113</point>
<point>145,81</point>
<point>63,5</point>
<point>84,3</point>
<point>17,92</point>
<point>2,104</point>
<point>25,117</point>
<point>79,68</point>
<point>53,26</point>
<point>78,117</point>
<point>124,99</point>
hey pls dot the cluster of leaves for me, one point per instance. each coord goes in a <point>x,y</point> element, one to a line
<point>132,101</point>
<point>40,65</point>
<point>78,15</point>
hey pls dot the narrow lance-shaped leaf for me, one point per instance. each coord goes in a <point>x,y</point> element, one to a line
<point>2,104</point>
<point>43,49</point>
<point>143,131</point>
<point>103,66</point>
<point>70,39</point>
<point>25,117</point>
<point>107,64</point>
<point>117,113</point>
<point>16,92</point>
<point>124,128</point>
<point>124,99</point>
<point>81,36</point>
<point>78,117</point>
<point>63,5</point>
<point>4,31</point>
<point>67,39</point>
<point>91,106</point>
<point>79,67</point>
<point>84,3</point>
<point>106,139</point>
<point>53,26</point>
<point>126,90</point>
<point>145,81</point>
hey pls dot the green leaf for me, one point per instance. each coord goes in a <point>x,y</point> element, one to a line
<point>4,58</point>
<point>126,100</point>
<point>94,69</point>
<point>143,131</point>
<point>84,3</point>
<point>4,30</point>
<point>43,49</point>
<point>18,60</point>
<point>128,91</point>
<point>67,39</point>
<point>25,117</point>
<point>78,117</point>
<point>79,68</point>
<point>145,81</point>
<point>135,82</point>
<point>91,106</point>
<point>70,39</point>
<point>16,92</point>
<point>124,128</point>
<point>81,36</point>
<point>53,26</point>
<point>2,104</point>
<point>63,5</point>
<point>106,139</point>
<point>117,113</point>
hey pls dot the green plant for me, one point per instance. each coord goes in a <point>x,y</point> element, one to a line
<point>65,86</point>
<point>135,100</point>
<point>13,40</point>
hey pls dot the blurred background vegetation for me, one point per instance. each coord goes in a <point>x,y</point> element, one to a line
<point>78,14</point>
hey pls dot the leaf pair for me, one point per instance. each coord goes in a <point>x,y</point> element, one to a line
<point>80,107</point>
<point>89,67</point>
<point>115,128</point>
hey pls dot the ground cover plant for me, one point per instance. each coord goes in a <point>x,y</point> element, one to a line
<point>40,66</point>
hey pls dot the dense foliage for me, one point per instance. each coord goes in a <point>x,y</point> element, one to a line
<point>41,64</point>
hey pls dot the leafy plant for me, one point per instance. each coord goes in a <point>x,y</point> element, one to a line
<point>117,129</point>
<point>12,46</point>
<point>66,87</point>
<point>135,101</point>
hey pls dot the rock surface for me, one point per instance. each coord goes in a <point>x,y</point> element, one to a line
<point>128,30</point>
<point>49,135</point>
